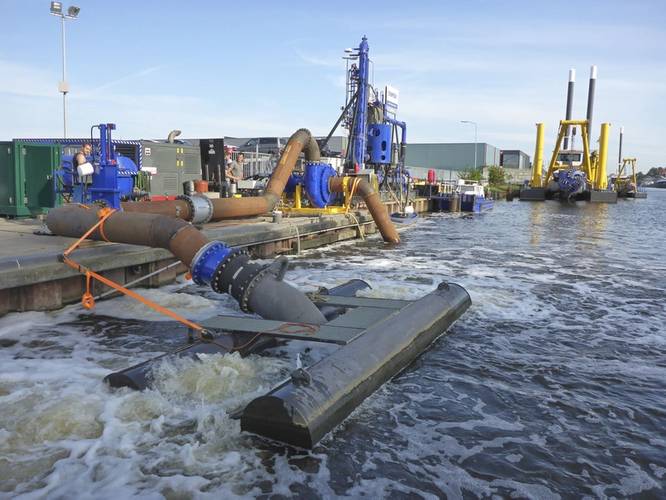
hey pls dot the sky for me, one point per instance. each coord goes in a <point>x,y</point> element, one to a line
<point>247,69</point>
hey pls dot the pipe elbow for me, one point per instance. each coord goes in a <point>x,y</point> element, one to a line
<point>311,150</point>
<point>272,200</point>
<point>375,206</point>
<point>364,188</point>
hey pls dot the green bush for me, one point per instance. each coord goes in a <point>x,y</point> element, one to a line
<point>471,174</point>
<point>496,176</point>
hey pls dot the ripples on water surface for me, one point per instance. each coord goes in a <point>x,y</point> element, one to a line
<point>552,385</point>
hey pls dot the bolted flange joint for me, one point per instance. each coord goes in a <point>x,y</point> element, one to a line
<point>207,260</point>
<point>201,208</point>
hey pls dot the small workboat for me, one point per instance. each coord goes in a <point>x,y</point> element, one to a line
<point>472,197</point>
<point>406,217</point>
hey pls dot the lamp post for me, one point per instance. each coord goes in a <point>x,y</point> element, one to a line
<point>63,86</point>
<point>475,137</point>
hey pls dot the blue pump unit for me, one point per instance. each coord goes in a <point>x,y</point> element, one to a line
<point>315,180</point>
<point>315,183</point>
<point>379,143</point>
<point>370,142</point>
<point>359,127</point>
<point>113,179</point>
<point>105,178</point>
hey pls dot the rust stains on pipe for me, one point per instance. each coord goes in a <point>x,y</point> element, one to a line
<point>171,208</point>
<point>301,140</point>
<point>375,206</point>
<point>229,208</point>
<point>267,294</point>
<point>154,230</point>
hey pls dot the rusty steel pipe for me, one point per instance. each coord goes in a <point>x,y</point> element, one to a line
<point>179,237</point>
<point>229,208</point>
<point>171,208</point>
<point>375,206</point>
<point>257,287</point>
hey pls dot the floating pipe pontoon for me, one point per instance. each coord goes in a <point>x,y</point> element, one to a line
<point>305,408</point>
<point>378,337</point>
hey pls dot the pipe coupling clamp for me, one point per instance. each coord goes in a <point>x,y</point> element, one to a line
<point>206,261</point>
<point>201,208</point>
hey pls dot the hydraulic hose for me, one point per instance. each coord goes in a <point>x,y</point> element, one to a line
<point>375,206</point>
<point>228,208</point>
<point>258,288</point>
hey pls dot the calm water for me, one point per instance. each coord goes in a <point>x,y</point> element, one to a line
<point>553,385</point>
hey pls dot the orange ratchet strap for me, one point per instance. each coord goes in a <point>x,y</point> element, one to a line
<point>87,299</point>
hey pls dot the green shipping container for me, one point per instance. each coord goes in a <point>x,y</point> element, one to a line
<point>27,178</point>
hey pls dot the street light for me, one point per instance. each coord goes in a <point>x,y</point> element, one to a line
<point>475,136</point>
<point>63,86</point>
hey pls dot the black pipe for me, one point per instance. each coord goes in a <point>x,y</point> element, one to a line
<point>590,102</point>
<point>619,152</point>
<point>259,288</point>
<point>569,110</point>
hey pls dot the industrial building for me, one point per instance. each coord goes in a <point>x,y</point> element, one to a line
<point>514,158</point>
<point>449,158</point>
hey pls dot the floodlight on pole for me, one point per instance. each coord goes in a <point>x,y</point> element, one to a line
<point>63,86</point>
<point>475,136</point>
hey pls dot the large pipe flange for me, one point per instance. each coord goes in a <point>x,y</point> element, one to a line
<point>207,260</point>
<point>201,208</point>
<point>219,284</point>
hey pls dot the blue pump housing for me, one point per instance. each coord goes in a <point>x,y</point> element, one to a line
<point>293,181</point>
<point>316,179</point>
<point>127,170</point>
<point>379,143</point>
<point>68,181</point>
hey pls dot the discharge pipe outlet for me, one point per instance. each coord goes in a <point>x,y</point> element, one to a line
<point>257,288</point>
<point>187,207</point>
<point>375,206</point>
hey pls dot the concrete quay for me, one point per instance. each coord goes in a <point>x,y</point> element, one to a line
<point>33,278</point>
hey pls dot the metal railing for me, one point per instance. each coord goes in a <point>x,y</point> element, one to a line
<point>263,164</point>
<point>257,163</point>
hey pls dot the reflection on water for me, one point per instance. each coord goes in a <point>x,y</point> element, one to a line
<point>550,386</point>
